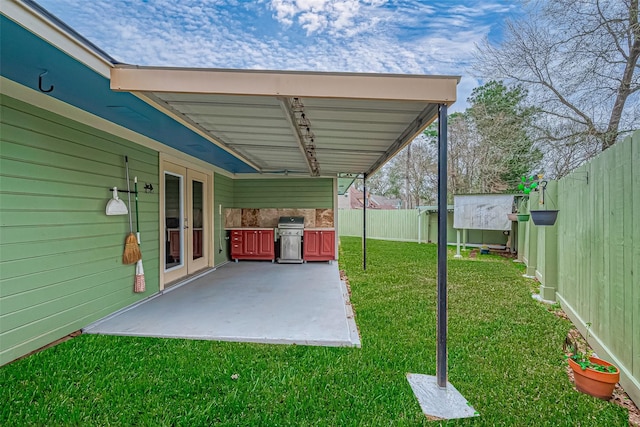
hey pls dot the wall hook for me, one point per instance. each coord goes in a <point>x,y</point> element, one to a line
<point>40,83</point>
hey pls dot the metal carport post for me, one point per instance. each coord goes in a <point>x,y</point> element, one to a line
<point>441,353</point>
<point>436,396</point>
<point>364,221</point>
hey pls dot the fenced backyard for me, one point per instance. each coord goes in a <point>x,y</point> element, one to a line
<point>505,357</point>
<point>588,261</point>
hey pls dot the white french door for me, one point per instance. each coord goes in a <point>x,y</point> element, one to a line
<point>186,221</point>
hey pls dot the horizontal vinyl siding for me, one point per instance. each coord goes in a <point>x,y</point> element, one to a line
<point>60,255</point>
<point>222,195</point>
<point>303,193</point>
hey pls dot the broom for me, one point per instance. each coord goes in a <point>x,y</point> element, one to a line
<point>131,253</point>
<point>138,283</point>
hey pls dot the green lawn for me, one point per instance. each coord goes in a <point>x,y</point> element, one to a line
<point>505,357</point>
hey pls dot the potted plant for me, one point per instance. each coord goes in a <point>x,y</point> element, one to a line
<point>592,375</point>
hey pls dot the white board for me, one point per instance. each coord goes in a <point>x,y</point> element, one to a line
<point>482,211</point>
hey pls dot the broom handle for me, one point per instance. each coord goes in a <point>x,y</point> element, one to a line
<point>126,164</point>
<point>135,188</point>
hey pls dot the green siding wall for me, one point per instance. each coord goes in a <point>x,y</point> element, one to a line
<point>402,225</point>
<point>223,196</point>
<point>60,255</point>
<point>309,193</point>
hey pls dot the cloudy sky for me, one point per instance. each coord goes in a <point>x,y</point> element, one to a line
<point>381,36</point>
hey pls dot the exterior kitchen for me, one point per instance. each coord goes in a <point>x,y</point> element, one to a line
<point>283,219</point>
<point>285,235</point>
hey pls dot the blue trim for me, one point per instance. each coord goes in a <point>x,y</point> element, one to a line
<point>25,56</point>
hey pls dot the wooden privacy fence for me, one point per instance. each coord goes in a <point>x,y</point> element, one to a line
<point>403,225</point>
<point>590,260</point>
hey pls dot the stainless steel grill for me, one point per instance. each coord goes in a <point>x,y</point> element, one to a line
<point>290,229</point>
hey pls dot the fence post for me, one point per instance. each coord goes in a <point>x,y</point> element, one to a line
<point>549,240</point>
<point>530,256</point>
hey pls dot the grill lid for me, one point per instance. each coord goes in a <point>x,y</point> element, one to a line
<point>291,222</point>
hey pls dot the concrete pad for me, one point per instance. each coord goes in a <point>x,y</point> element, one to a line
<point>439,403</point>
<point>539,298</point>
<point>249,301</point>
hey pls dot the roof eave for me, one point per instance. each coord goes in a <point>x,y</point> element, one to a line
<point>306,84</point>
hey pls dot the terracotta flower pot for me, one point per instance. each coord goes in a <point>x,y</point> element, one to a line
<point>597,384</point>
<point>512,217</point>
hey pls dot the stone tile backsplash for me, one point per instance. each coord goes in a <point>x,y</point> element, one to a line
<point>268,218</point>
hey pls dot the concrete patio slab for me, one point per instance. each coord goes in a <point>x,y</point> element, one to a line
<point>250,301</point>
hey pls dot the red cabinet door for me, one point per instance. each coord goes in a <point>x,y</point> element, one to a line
<point>319,245</point>
<point>327,244</point>
<point>250,242</point>
<point>266,246</point>
<point>311,246</point>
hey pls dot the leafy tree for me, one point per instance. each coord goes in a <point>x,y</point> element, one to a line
<point>503,125</point>
<point>489,149</point>
<point>489,144</point>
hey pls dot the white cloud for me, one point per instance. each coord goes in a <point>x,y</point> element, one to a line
<point>312,22</point>
<point>319,15</point>
<point>380,36</point>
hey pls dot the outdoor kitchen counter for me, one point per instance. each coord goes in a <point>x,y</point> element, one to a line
<point>254,243</point>
<point>249,228</point>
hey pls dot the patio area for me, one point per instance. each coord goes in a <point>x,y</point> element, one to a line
<point>109,380</point>
<point>261,302</point>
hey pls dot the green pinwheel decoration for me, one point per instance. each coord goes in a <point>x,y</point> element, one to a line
<point>529,183</point>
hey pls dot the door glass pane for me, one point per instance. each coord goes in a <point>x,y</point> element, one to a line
<point>196,214</point>
<point>173,215</point>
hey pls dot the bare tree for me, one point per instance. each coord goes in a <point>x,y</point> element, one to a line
<point>564,155</point>
<point>465,158</point>
<point>579,61</point>
<point>412,175</point>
